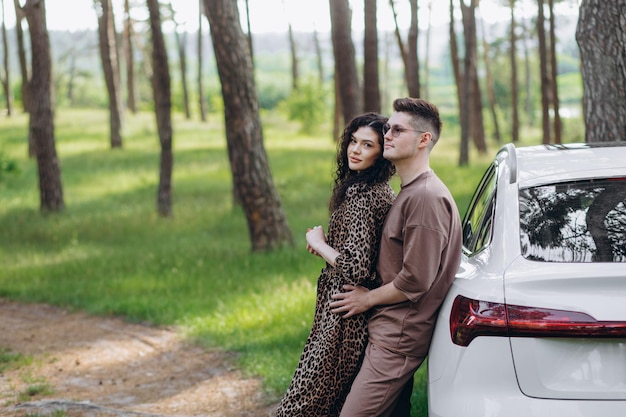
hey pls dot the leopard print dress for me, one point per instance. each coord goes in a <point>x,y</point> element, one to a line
<point>334,349</point>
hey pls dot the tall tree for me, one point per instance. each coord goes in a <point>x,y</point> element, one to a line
<point>163,108</point>
<point>528,38</point>
<point>110,67</point>
<point>544,73</point>
<point>21,53</point>
<point>554,91</point>
<point>249,31</point>
<point>456,67</point>
<point>471,109</point>
<point>371,87</point>
<point>6,78</point>
<point>41,123</point>
<point>426,66</point>
<point>293,50</point>
<point>408,51</point>
<point>514,82</point>
<point>318,55</point>
<point>127,39</point>
<point>252,178</point>
<point>181,45</point>
<point>490,86</point>
<point>295,73</point>
<point>603,57</point>
<point>347,82</point>
<point>201,100</point>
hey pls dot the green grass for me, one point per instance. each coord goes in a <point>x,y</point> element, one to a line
<point>109,253</point>
<point>12,360</point>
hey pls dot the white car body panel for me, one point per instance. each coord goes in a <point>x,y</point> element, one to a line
<point>531,376</point>
<point>570,368</point>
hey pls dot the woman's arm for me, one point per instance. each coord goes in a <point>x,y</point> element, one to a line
<point>316,244</point>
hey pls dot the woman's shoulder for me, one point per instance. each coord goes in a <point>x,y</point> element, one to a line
<point>380,191</point>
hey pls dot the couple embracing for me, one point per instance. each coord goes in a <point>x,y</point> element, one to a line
<point>389,263</point>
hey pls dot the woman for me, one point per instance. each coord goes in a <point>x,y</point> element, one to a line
<point>359,203</point>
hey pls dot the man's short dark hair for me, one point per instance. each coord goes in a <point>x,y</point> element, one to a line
<point>425,114</point>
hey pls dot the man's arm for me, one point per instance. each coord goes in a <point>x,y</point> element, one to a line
<point>359,299</point>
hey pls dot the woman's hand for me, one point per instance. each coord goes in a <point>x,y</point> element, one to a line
<point>314,238</point>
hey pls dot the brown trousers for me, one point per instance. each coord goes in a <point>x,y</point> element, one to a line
<point>383,382</point>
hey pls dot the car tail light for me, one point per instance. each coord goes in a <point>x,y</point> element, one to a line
<point>472,318</point>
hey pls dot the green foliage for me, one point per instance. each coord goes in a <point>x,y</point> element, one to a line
<point>308,105</point>
<point>110,253</point>
<point>7,165</point>
<point>270,95</point>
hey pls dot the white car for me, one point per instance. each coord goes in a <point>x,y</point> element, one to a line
<point>534,324</point>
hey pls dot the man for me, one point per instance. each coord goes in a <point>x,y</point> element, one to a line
<point>419,256</point>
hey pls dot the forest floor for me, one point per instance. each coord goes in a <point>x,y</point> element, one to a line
<point>84,365</point>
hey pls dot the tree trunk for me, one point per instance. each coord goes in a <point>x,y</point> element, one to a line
<point>514,83</point>
<point>6,79</point>
<point>401,46</point>
<point>294,60</point>
<point>603,54</point>
<point>409,52</point>
<point>413,68</point>
<point>200,60</point>
<point>544,74</point>
<point>338,123</point>
<point>110,67</point>
<point>476,129</point>
<point>491,95</point>
<point>528,102</point>
<point>21,53</point>
<point>553,69</point>
<point>181,42</point>
<point>426,76</point>
<point>371,87</point>
<point>72,76</point>
<point>131,101</point>
<point>41,125</point>
<point>460,95</point>
<point>267,224</point>
<point>318,55</point>
<point>163,108</point>
<point>250,43</point>
<point>345,66</point>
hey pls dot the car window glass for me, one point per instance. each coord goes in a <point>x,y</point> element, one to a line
<point>478,219</point>
<point>583,221</point>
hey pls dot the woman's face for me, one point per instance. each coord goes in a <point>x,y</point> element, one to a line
<point>363,149</point>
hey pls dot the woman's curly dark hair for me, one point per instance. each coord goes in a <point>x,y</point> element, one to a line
<point>381,171</point>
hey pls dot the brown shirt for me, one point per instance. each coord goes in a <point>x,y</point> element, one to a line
<point>420,253</point>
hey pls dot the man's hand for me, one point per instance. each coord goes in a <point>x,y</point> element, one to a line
<point>354,301</point>
<point>359,299</point>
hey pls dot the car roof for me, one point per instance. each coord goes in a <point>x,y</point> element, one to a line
<point>544,164</point>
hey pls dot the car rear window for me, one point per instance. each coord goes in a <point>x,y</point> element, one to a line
<point>582,221</point>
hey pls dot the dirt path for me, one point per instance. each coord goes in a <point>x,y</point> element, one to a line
<point>101,367</point>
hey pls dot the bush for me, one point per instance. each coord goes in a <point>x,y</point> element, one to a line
<point>307,105</point>
<point>7,166</point>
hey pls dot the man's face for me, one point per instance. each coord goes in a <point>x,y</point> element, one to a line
<point>401,139</point>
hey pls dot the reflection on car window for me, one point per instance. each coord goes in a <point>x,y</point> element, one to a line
<point>582,221</point>
<point>477,224</point>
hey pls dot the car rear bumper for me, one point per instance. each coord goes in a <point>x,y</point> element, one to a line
<point>521,406</point>
<point>479,381</point>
